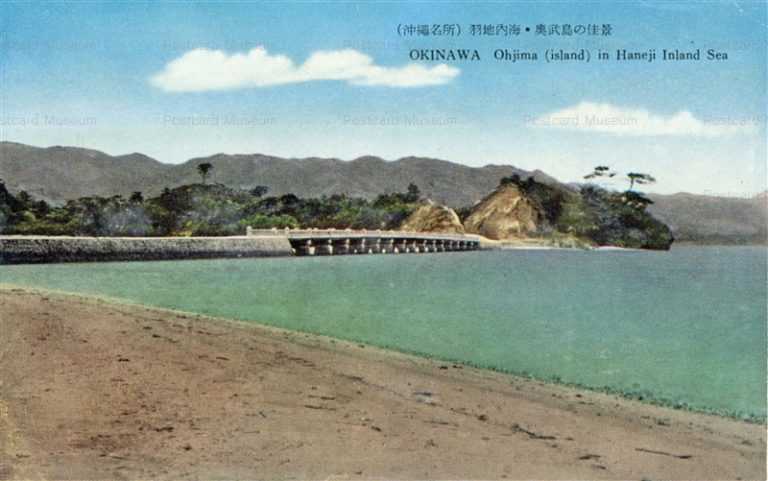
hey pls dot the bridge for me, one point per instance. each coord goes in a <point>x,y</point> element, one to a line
<point>310,242</point>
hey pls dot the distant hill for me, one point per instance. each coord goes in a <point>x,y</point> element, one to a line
<point>714,220</point>
<point>60,173</point>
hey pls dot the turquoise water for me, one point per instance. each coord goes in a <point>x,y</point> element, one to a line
<point>683,327</point>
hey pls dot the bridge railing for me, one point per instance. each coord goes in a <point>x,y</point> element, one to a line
<point>354,233</point>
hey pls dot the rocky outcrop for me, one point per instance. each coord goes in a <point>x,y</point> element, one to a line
<point>431,217</point>
<point>39,249</point>
<point>504,214</point>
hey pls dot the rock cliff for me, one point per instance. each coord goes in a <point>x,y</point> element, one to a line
<point>431,217</point>
<point>506,213</point>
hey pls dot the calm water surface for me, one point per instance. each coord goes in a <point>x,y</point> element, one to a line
<point>686,326</point>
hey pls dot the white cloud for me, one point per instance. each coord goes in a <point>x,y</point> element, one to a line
<point>612,119</point>
<point>202,69</point>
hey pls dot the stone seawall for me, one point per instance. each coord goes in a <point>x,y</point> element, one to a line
<point>40,249</point>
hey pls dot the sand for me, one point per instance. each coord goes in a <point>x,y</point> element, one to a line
<point>92,389</point>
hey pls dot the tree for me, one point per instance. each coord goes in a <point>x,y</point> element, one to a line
<point>41,208</point>
<point>25,199</point>
<point>414,194</point>
<point>259,191</point>
<point>601,171</point>
<point>512,179</point>
<point>204,169</point>
<point>640,179</point>
<point>136,198</point>
<point>8,200</point>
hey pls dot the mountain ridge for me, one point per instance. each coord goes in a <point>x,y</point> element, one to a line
<point>59,173</point>
<point>82,172</point>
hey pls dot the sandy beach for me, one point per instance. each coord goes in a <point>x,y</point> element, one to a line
<point>91,389</point>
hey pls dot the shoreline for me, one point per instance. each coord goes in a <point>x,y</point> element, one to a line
<point>638,395</point>
<point>345,391</point>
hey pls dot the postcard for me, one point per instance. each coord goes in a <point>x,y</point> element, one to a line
<point>383,240</point>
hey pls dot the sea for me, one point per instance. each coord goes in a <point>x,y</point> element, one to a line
<point>684,328</point>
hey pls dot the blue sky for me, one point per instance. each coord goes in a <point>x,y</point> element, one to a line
<point>82,74</point>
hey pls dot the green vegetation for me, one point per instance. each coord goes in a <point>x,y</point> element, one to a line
<point>617,218</point>
<point>590,216</point>
<point>596,215</point>
<point>200,210</point>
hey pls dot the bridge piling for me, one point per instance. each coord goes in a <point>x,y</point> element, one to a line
<point>325,248</point>
<point>309,242</point>
<point>305,248</point>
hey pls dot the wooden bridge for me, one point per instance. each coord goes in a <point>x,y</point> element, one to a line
<point>310,242</point>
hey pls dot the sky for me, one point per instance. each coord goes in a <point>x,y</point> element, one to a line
<point>179,80</point>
